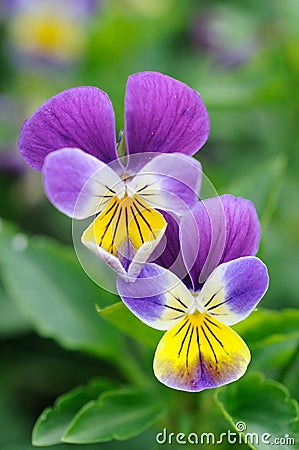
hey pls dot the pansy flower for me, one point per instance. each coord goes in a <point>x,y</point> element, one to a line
<point>49,31</point>
<point>72,140</point>
<point>224,284</point>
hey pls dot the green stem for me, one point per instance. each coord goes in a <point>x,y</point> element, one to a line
<point>122,146</point>
<point>132,370</point>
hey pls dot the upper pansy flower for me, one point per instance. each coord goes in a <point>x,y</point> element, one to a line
<point>72,140</point>
<point>199,350</point>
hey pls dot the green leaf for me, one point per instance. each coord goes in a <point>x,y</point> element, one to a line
<point>274,355</point>
<point>54,421</point>
<point>290,374</point>
<point>11,321</point>
<point>16,422</point>
<point>122,318</point>
<point>50,288</point>
<point>261,406</point>
<point>263,324</point>
<point>262,187</point>
<point>272,336</point>
<point>119,414</point>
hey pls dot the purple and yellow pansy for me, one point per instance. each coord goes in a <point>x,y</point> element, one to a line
<point>199,349</point>
<point>71,139</point>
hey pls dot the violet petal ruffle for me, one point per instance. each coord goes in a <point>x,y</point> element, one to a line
<point>163,115</point>
<point>80,117</point>
<point>218,230</point>
<point>169,182</point>
<point>77,183</point>
<point>234,289</point>
<point>157,297</point>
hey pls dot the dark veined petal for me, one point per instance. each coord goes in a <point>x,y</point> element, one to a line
<point>78,184</point>
<point>200,353</point>
<point>123,219</point>
<point>157,297</point>
<point>218,230</point>
<point>163,115</point>
<point>234,289</point>
<point>81,117</point>
<point>169,182</point>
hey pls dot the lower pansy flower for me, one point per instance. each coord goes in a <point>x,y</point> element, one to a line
<point>199,349</point>
<point>72,140</point>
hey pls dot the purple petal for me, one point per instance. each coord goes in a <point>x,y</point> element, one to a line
<point>168,253</point>
<point>74,8</point>
<point>217,230</point>
<point>78,183</point>
<point>157,297</point>
<point>234,289</point>
<point>81,117</point>
<point>163,115</point>
<point>169,182</point>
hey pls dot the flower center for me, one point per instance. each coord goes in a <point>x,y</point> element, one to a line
<point>197,305</point>
<point>124,189</point>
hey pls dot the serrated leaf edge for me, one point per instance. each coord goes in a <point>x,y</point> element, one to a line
<point>100,401</point>
<point>261,378</point>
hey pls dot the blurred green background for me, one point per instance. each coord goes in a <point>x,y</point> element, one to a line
<point>243,57</point>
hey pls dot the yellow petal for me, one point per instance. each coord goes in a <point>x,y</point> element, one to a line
<point>127,218</point>
<point>200,353</point>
